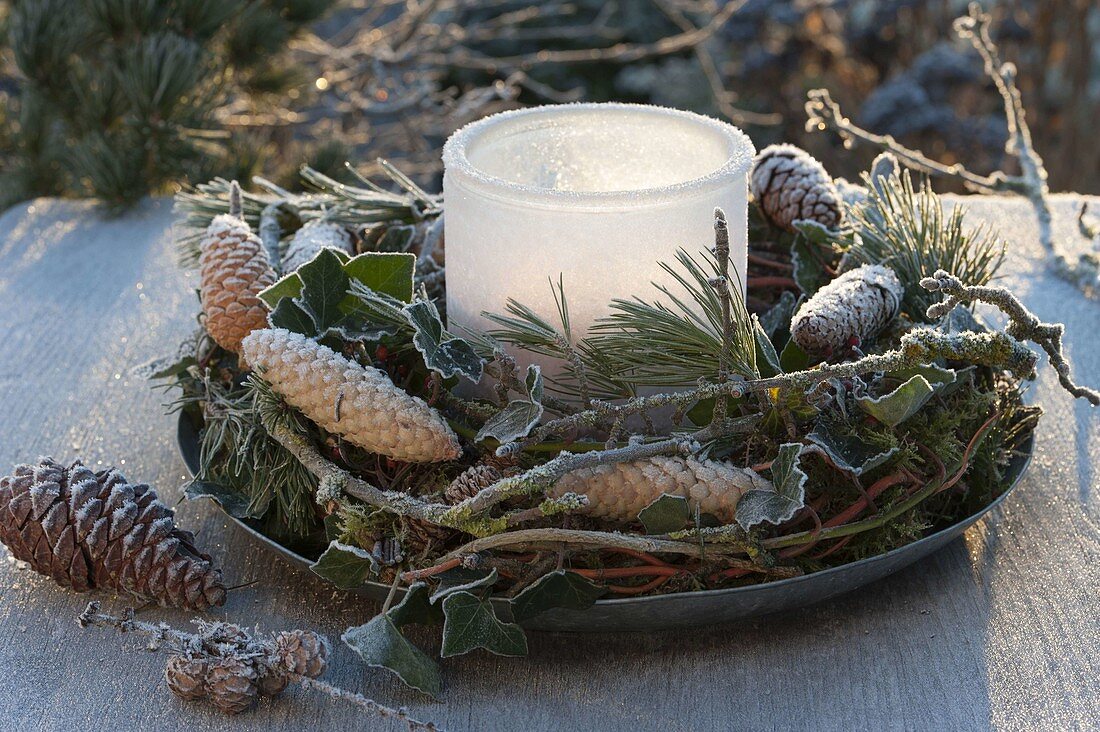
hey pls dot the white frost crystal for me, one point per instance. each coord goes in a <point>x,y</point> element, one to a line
<point>619,491</point>
<point>850,309</point>
<point>309,240</point>
<point>358,402</point>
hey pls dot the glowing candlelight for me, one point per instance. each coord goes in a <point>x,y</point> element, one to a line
<point>599,194</point>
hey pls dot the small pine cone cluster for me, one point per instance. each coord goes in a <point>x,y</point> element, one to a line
<point>790,185</point>
<point>309,240</point>
<point>619,491</point>
<point>231,669</point>
<point>94,530</point>
<point>235,270</point>
<point>849,310</point>
<point>357,402</point>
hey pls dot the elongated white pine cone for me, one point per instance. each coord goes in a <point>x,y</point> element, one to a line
<point>358,402</point>
<point>619,491</point>
<point>852,308</point>
<point>790,185</point>
<point>309,240</point>
<point>235,270</point>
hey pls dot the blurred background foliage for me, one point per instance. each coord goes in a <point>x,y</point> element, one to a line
<point>117,98</point>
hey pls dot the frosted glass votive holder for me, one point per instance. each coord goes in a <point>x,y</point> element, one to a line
<point>598,194</point>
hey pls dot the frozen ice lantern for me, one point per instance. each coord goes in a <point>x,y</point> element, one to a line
<point>598,194</point>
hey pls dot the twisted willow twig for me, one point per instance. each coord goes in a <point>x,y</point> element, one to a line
<point>1023,324</point>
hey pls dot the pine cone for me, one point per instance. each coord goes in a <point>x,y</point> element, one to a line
<point>343,397</point>
<point>235,270</point>
<point>851,309</point>
<point>231,684</point>
<point>186,677</point>
<point>309,240</point>
<point>619,491</point>
<point>96,531</point>
<point>302,652</point>
<point>790,185</point>
<point>417,536</point>
<point>473,480</point>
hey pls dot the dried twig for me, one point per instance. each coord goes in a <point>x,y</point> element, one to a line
<point>825,114</point>
<point>1023,324</point>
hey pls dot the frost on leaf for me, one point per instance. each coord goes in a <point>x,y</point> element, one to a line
<point>667,513</point>
<point>345,566</point>
<point>788,494</point>
<point>443,354</point>
<point>520,416</point>
<point>470,623</point>
<point>849,453</point>
<point>560,589</point>
<point>899,405</point>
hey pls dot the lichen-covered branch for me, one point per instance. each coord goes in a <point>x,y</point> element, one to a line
<point>1023,324</point>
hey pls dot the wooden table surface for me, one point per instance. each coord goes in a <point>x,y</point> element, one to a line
<point>1000,630</point>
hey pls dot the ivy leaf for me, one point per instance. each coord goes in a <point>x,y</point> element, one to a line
<point>777,321</point>
<point>446,356</point>
<point>415,608</point>
<point>815,233</point>
<point>793,358</point>
<point>899,405</point>
<point>848,453</point>
<point>788,492</point>
<point>449,588</point>
<point>292,316</point>
<point>520,416</point>
<point>470,623</point>
<point>386,273</point>
<point>560,589</point>
<point>380,644</point>
<point>808,272</point>
<point>234,503</point>
<point>937,376</point>
<point>345,566</point>
<point>324,286</point>
<point>767,360</point>
<point>667,513</point>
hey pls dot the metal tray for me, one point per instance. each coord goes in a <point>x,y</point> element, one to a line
<point>686,609</point>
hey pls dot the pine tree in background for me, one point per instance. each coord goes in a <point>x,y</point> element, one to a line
<point>119,98</point>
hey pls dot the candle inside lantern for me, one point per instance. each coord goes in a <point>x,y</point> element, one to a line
<point>598,194</point>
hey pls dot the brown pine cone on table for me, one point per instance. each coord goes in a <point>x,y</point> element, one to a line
<point>94,530</point>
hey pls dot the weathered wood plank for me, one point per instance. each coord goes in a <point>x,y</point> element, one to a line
<point>999,630</point>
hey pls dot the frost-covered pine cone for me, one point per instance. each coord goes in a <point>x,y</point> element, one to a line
<point>851,309</point>
<point>790,185</point>
<point>235,270</point>
<point>358,402</point>
<point>309,240</point>
<point>231,684</point>
<point>619,491</point>
<point>186,677</point>
<point>93,530</point>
